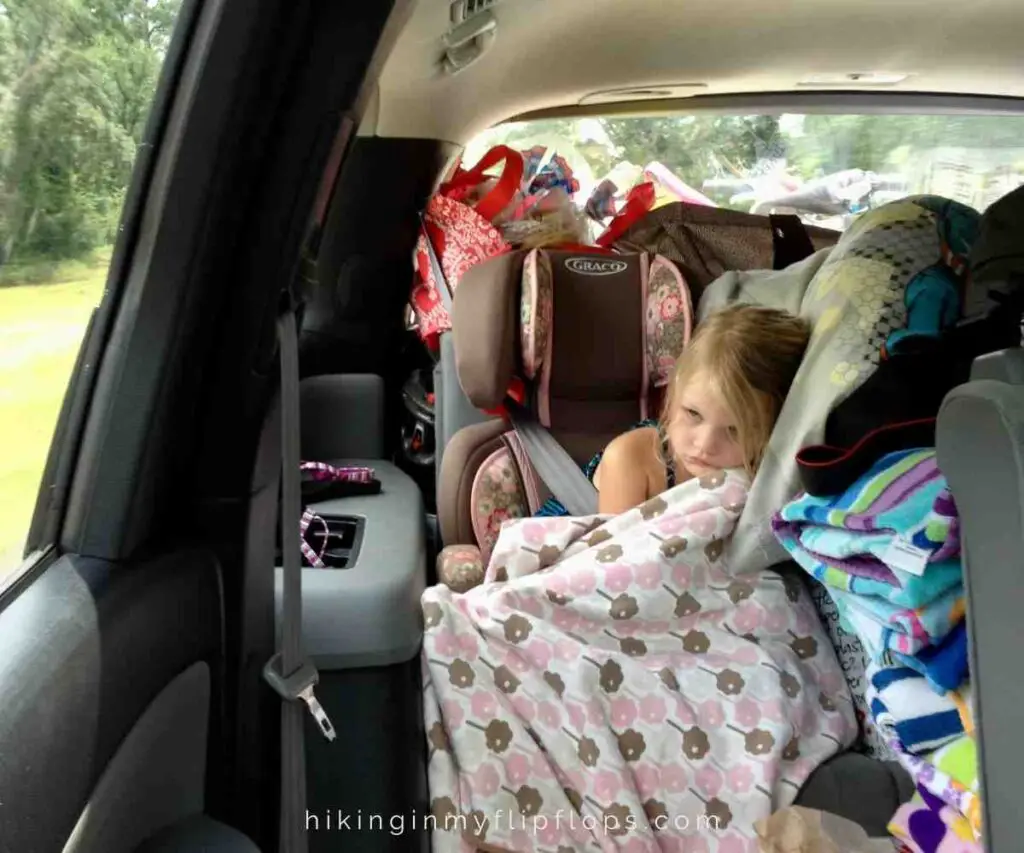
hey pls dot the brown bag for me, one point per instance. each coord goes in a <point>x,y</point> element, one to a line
<point>706,242</point>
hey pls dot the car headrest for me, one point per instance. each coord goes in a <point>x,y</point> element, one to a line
<point>593,334</point>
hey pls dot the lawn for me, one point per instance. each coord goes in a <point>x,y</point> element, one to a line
<point>41,329</point>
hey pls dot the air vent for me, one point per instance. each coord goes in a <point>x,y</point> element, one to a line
<point>340,546</point>
<point>463,10</point>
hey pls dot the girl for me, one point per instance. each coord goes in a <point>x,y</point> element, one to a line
<point>720,407</point>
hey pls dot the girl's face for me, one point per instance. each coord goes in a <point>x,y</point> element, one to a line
<point>702,430</point>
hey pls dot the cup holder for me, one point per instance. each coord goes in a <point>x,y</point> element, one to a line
<point>344,536</point>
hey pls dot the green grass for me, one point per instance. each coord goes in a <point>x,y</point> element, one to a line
<point>41,329</point>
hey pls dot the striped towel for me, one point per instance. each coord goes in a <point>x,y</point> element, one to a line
<point>944,665</point>
<point>902,700</point>
<point>884,627</point>
<point>893,535</point>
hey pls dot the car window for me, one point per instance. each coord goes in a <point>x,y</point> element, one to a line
<point>76,84</point>
<point>826,168</point>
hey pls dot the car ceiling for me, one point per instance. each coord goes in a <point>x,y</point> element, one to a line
<point>559,53</point>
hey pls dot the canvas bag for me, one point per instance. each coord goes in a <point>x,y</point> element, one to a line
<point>706,242</point>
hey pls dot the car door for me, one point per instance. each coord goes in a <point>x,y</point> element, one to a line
<point>132,640</point>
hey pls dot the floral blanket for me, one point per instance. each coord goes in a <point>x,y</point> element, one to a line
<point>611,686</point>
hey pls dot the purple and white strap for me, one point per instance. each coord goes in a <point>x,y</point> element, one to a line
<point>312,557</point>
<point>324,472</point>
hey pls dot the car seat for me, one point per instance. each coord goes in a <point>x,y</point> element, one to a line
<point>591,337</point>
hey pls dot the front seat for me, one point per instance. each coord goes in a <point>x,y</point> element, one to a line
<point>199,834</point>
<point>980,443</point>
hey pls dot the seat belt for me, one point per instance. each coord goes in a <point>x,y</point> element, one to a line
<point>551,461</point>
<point>289,671</point>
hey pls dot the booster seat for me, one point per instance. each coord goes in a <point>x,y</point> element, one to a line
<point>591,338</point>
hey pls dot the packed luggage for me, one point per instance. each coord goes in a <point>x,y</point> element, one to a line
<point>849,523</point>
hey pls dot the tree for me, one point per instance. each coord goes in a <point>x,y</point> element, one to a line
<point>700,146</point>
<point>76,81</point>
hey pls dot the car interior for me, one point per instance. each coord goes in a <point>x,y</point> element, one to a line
<point>291,151</point>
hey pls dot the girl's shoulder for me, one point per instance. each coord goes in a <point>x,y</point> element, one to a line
<point>635,442</point>
<point>633,449</point>
<point>629,455</point>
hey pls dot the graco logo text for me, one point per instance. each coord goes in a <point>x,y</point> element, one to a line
<point>595,266</point>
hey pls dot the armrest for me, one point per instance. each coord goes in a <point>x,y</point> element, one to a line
<point>367,612</point>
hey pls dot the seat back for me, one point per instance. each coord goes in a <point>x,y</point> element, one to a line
<point>593,338</point>
<point>980,444</point>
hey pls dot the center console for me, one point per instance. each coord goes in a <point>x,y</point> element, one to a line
<point>363,609</point>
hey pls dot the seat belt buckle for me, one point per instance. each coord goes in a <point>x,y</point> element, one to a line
<point>299,685</point>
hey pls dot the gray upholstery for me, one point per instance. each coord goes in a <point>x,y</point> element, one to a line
<point>199,834</point>
<point>859,788</point>
<point>980,441</point>
<point>88,648</point>
<point>368,614</point>
<point>342,416</point>
<point>1003,366</point>
<point>452,409</point>
<point>157,775</point>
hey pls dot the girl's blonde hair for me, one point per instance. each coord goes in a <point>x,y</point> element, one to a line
<point>750,354</point>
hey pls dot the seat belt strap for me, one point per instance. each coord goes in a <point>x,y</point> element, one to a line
<point>551,461</point>
<point>289,672</point>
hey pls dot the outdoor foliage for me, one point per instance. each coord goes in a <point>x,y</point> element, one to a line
<point>76,81</point>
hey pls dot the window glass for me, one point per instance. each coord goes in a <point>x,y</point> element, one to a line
<point>77,79</point>
<point>826,168</point>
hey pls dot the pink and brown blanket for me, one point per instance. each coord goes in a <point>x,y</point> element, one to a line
<point>611,686</point>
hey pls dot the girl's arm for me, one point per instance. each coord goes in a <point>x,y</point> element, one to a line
<point>621,477</point>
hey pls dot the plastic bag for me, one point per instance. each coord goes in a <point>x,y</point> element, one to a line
<point>800,830</point>
<point>477,215</point>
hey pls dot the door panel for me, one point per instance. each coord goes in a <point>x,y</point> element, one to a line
<point>157,776</point>
<point>87,647</point>
<point>159,445</point>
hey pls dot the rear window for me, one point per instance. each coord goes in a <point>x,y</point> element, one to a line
<point>825,168</point>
